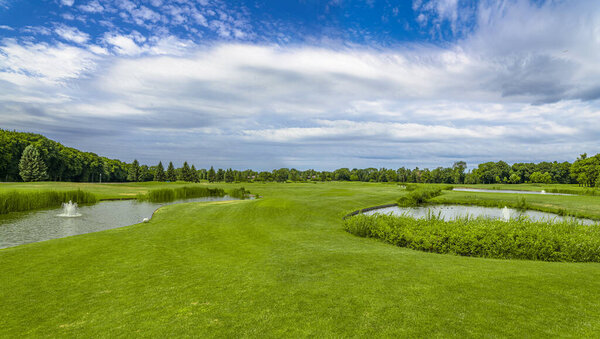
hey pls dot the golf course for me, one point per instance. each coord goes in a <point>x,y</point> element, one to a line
<point>282,265</point>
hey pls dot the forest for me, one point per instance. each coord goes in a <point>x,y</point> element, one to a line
<point>69,164</point>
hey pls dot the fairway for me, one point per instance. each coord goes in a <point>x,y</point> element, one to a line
<point>280,266</point>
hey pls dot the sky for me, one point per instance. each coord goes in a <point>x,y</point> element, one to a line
<point>320,84</point>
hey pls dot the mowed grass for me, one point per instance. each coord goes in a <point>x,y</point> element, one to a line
<point>282,266</point>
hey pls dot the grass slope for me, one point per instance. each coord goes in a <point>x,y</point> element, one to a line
<point>282,266</point>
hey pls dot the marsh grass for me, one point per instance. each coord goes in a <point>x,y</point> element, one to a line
<point>521,238</point>
<point>185,192</point>
<point>239,193</point>
<point>19,201</point>
<point>419,196</point>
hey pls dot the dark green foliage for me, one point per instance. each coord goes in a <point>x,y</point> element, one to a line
<point>159,173</point>
<point>24,201</point>
<point>171,175</point>
<point>185,192</point>
<point>193,175</point>
<point>185,174</point>
<point>31,165</point>
<point>515,239</point>
<point>419,196</point>
<point>63,163</point>
<point>229,176</point>
<point>134,171</point>
<point>211,175</point>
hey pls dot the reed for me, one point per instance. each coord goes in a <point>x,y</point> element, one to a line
<point>521,238</point>
<point>185,192</point>
<point>14,201</point>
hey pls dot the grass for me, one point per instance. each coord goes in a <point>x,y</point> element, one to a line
<point>16,201</point>
<point>567,241</point>
<point>185,192</point>
<point>282,266</point>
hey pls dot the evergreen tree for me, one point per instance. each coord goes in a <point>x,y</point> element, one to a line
<point>159,174</point>
<point>220,175</point>
<point>185,172</point>
<point>229,177</point>
<point>194,174</point>
<point>212,176</point>
<point>31,166</point>
<point>171,176</point>
<point>134,171</point>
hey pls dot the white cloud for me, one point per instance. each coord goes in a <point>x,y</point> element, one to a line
<point>8,28</point>
<point>67,2</point>
<point>92,7</point>
<point>72,34</point>
<point>520,87</point>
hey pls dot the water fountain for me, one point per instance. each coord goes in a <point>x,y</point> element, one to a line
<point>505,214</point>
<point>543,192</point>
<point>69,210</point>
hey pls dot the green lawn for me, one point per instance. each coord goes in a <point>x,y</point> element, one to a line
<point>283,266</point>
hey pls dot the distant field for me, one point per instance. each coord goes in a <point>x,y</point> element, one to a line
<point>283,266</point>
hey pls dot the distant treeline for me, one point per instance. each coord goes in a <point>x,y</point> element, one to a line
<point>68,164</point>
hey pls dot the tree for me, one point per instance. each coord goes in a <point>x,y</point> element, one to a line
<point>514,178</point>
<point>134,171</point>
<point>194,177</point>
<point>220,175</point>
<point>212,176</point>
<point>229,175</point>
<point>159,174</point>
<point>31,165</point>
<point>185,172</point>
<point>171,176</point>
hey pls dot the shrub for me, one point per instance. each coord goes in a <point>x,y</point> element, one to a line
<point>185,192</point>
<point>14,201</point>
<point>239,193</point>
<point>419,196</point>
<point>522,238</point>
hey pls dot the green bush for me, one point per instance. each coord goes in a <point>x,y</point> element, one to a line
<point>14,201</point>
<point>185,192</point>
<point>419,196</point>
<point>567,241</point>
<point>239,193</point>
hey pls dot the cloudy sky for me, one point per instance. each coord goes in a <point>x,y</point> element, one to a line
<point>305,83</point>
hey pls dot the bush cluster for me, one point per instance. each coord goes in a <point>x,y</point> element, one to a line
<point>239,193</point>
<point>419,196</point>
<point>185,192</point>
<point>567,241</point>
<point>14,201</point>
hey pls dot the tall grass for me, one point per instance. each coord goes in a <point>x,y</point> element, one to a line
<point>239,193</point>
<point>419,196</point>
<point>185,192</point>
<point>15,201</point>
<point>516,239</point>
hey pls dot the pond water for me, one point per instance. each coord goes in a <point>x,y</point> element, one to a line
<point>449,212</point>
<point>34,226</point>
<point>483,190</point>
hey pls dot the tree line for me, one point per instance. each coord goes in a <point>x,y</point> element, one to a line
<point>33,157</point>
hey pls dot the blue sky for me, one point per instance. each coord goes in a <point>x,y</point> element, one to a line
<point>303,83</point>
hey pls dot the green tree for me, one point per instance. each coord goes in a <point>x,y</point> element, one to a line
<point>31,165</point>
<point>229,175</point>
<point>211,175</point>
<point>134,171</point>
<point>159,174</point>
<point>194,177</point>
<point>220,175</point>
<point>185,172</point>
<point>171,176</point>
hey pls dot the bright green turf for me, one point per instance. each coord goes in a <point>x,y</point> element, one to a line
<point>282,266</point>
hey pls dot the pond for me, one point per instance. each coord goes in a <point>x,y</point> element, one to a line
<point>483,190</point>
<point>449,212</point>
<point>34,226</point>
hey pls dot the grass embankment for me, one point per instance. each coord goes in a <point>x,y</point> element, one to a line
<point>521,238</point>
<point>16,201</point>
<point>282,266</point>
<point>549,188</point>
